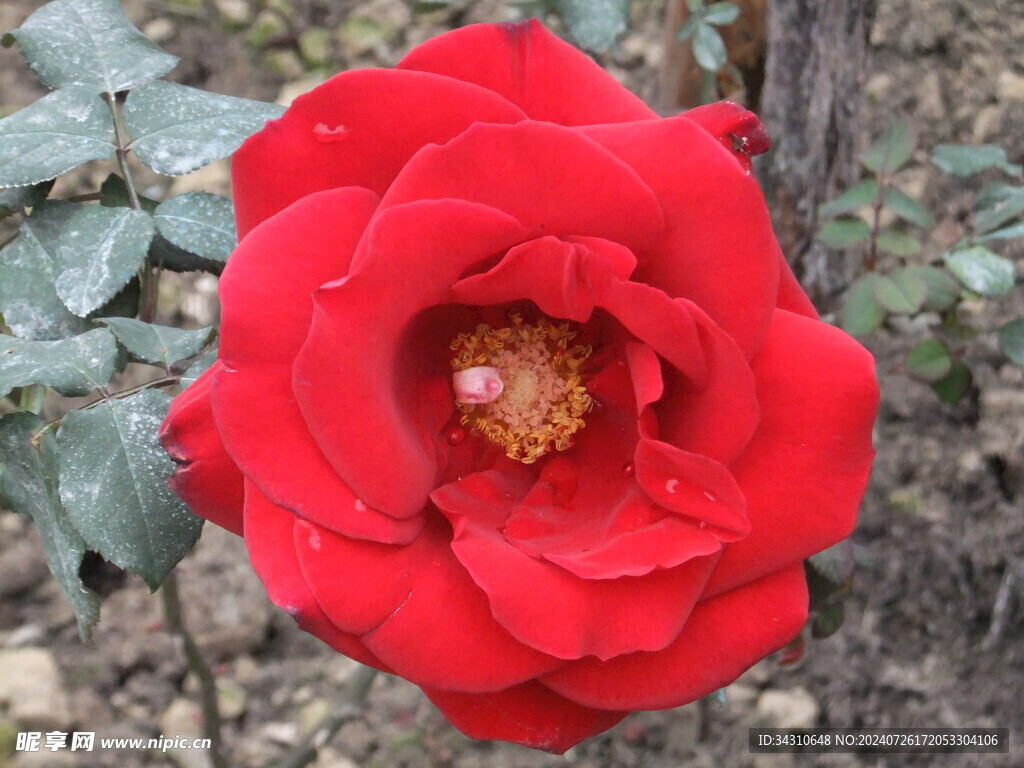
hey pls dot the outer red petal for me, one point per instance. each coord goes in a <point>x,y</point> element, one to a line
<point>550,178</point>
<point>545,76</point>
<point>416,609</point>
<point>735,128</point>
<point>792,297</point>
<point>359,386</point>
<point>527,714</point>
<point>357,129</point>
<point>206,478</point>
<point>723,637</point>
<point>272,552</point>
<point>717,248</point>
<point>274,268</point>
<point>806,468</point>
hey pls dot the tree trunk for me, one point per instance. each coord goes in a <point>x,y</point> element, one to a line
<point>811,102</point>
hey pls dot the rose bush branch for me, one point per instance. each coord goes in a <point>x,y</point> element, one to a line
<point>175,621</point>
<point>347,707</point>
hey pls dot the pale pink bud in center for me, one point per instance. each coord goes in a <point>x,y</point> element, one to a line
<point>478,385</point>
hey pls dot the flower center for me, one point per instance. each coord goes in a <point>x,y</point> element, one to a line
<point>520,385</point>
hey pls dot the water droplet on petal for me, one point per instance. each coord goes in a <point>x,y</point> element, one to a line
<point>455,434</point>
<point>629,470</point>
<point>710,496</point>
<point>325,133</point>
<point>314,540</point>
<point>671,484</point>
<point>360,505</point>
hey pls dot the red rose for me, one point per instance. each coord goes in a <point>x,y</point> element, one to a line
<point>526,405</point>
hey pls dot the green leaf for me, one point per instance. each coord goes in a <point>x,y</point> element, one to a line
<point>58,132</point>
<point>176,129</point>
<point>955,384</point>
<point>861,313</point>
<point>898,242</point>
<point>694,6</point>
<point>721,14</point>
<point>113,482</point>
<point>74,367</point>
<point>101,249</point>
<point>1011,340</point>
<point>859,195</point>
<point>943,290</point>
<point>688,28</point>
<point>836,563</point>
<point>199,366</point>
<point>981,270</point>
<point>28,268</point>
<point>200,223</point>
<point>157,344</point>
<point>929,361</point>
<point>708,48</point>
<point>16,199</point>
<point>907,208</point>
<point>827,621</point>
<point>901,293</point>
<point>170,256</point>
<point>960,160</point>
<point>114,194</point>
<point>594,24</point>
<point>844,233</point>
<point>891,152</point>
<point>28,483</point>
<point>999,212</point>
<point>89,43</point>
<point>1011,232</point>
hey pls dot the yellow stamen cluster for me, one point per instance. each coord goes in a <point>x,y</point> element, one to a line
<point>541,406</point>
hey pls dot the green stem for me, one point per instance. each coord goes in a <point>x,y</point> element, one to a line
<point>148,278</point>
<point>197,664</point>
<point>349,706</point>
<point>871,262</point>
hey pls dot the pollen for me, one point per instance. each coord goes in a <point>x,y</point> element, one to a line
<point>520,386</point>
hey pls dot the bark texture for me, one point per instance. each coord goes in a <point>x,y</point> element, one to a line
<point>811,104</point>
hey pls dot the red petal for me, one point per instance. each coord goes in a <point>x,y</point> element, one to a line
<point>551,609</point>
<point>206,478</point>
<point>550,178</point>
<point>416,609</point>
<point>357,129</point>
<point>545,76</point>
<point>371,420</point>
<point>692,485</point>
<point>717,248</point>
<point>737,129</point>
<point>272,552</point>
<point>259,348</point>
<point>806,468</point>
<point>527,714</point>
<point>723,637</point>
<point>792,297</point>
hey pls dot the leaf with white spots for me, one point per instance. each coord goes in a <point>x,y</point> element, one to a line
<point>113,482</point>
<point>28,273</point>
<point>157,344</point>
<point>74,367</point>
<point>199,366</point>
<point>28,484</point>
<point>17,199</point>
<point>200,223</point>
<point>58,132</point>
<point>100,250</point>
<point>176,129</point>
<point>90,43</point>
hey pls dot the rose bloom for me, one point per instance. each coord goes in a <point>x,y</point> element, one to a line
<point>516,397</point>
